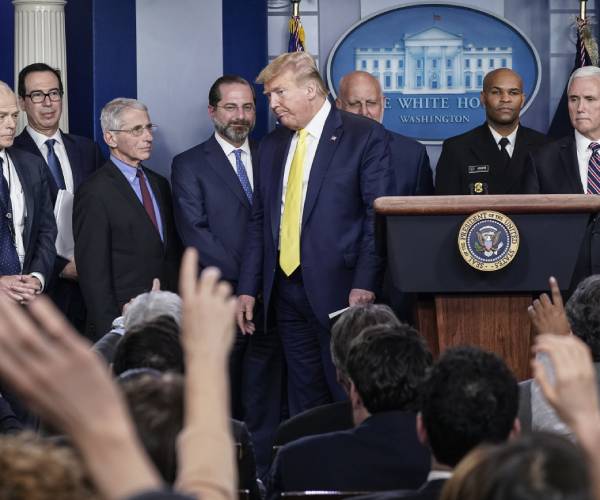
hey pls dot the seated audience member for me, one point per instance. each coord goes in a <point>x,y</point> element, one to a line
<point>336,416</point>
<point>386,365</point>
<point>491,158</point>
<point>581,317</point>
<point>156,406</point>
<point>470,397</point>
<point>539,466</point>
<point>8,420</point>
<point>154,344</point>
<point>145,307</point>
<point>39,356</point>
<point>32,468</point>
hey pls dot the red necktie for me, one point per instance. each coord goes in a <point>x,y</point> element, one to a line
<point>146,198</point>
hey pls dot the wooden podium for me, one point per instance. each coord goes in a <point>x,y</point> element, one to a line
<point>460,305</point>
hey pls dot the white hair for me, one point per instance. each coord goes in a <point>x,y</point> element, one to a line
<point>583,72</point>
<point>111,112</point>
<point>149,306</point>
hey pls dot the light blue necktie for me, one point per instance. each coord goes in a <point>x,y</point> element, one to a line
<point>242,174</point>
<point>54,164</point>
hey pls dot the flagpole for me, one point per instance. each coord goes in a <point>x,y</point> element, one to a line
<point>296,7</point>
<point>582,9</point>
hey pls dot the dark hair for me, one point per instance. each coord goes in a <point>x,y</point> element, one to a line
<point>387,364</point>
<point>583,313</point>
<point>470,397</point>
<point>151,345</point>
<point>214,94</point>
<point>350,324</point>
<point>34,68</point>
<point>538,466</point>
<point>156,406</point>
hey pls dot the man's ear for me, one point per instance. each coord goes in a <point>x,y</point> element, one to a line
<point>355,398</point>
<point>21,103</point>
<point>109,138</point>
<point>421,431</point>
<point>311,89</point>
<point>338,103</point>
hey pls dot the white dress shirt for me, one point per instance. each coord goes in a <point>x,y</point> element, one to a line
<point>512,137</point>
<point>59,149</point>
<point>229,149</point>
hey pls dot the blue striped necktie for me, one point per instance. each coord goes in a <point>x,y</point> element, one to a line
<point>242,174</point>
<point>9,259</point>
<point>593,180</point>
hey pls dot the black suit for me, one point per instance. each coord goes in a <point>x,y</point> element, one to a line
<point>322,419</point>
<point>456,171</point>
<point>84,158</point>
<point>382,453</point>
<point>117,248</point>
<point>431,490</point>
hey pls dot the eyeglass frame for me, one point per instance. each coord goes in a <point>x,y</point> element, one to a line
<point>46,94</point>
<point>138,130</point>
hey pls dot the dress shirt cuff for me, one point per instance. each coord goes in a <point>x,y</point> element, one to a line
<point>40,277</point>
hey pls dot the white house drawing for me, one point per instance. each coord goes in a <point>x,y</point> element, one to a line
<point>432,61</point>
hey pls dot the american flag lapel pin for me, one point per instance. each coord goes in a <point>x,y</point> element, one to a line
<point>333,138</point>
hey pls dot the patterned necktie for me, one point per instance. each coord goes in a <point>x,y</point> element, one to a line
<point>289,248</point>
<point>54,164</point>
<point>242,174</point>
<point>503,143</point>
<point>593,180</point>
<point>9,259</point>
<point>146,198</point>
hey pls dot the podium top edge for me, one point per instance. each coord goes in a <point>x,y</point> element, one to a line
<point>524,204</point>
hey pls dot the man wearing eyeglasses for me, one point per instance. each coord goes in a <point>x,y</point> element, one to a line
<point>213,185</point>
<point>70,159</point>
<point>123,221</point>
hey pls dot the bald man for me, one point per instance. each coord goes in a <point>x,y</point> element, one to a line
<point>490,159</point>
<point>360,93</point>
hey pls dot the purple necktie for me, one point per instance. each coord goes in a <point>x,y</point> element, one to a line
<point>593,180</point>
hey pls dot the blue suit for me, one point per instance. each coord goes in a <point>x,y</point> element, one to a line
<point>411,171</point>
<point>337,248</point>
<point>84,157</point>
<point>211,214</point>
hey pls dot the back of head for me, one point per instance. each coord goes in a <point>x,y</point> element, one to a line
<point>583,313</point>
<point>151,305</point>
<point>34,469</point>
<point>470,397</point>
<point>348,327</point>
<point>538,466</point>
<point>154,345</point>
<point>156,406</point>
<point>387,364</point>
<point>301,64</point>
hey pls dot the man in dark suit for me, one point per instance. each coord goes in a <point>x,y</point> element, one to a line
<point>213,185</point>
<point>310,245</point>
<point>27,226</point>
<point>72,158</point>
<point>123,221</point>
<point>490,159</point>
<point>386,366</point>
<point>470,397</point>
<point>360,93</point>
<point>568,165</point>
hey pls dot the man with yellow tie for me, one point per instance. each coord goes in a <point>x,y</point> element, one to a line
<point>310,247</point>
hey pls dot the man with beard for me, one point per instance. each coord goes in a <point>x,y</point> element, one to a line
<point>213,186</point>
<point>490,159</point>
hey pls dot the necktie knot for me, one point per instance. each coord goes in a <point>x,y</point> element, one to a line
<point>50,143</point>
<point>302,134</point>
<point>594,146</point>
<point>503,142</point>
<point>238,154</point>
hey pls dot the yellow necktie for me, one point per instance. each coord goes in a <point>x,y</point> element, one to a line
<point>289,237</point>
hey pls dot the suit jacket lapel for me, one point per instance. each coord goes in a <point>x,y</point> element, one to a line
<point>275,187</point>
<point>517,162</point>
<point>26,185</point>
<point>221,166</point>
<point>27,142</point>
<point>568,156</point>
<point>330,138</point>
<point>74,155</point>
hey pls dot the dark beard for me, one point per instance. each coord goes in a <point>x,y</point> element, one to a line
<point>235,134</point>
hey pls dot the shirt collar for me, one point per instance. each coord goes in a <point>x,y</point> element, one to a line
<point>315,126</point>
<point>128,171</point>
<point>40,139</point>
<point>439,474</point>
<point>582,143</point>
<point>512,137</point>
<point>229,148</point>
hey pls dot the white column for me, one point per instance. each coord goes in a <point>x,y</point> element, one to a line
<point>40,37</point>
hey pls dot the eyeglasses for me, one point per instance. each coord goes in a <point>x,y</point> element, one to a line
<point>37,96</point>
<point>233,108</point>
<point>138,130</point>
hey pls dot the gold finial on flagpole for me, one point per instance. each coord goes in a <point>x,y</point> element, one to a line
<point>295,8</point>
<point>582,9</point>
